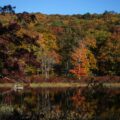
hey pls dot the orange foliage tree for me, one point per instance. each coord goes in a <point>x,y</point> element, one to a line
<point>83,60</point>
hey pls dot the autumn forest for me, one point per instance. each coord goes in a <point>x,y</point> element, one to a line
<point>48,46</point>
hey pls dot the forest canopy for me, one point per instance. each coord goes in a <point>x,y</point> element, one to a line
<point>58,45</point>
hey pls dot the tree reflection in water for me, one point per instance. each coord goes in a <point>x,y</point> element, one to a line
<point>95,102</point>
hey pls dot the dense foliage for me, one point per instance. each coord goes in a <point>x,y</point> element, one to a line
<point>64,45</point>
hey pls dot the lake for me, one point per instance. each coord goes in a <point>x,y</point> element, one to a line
<point>94,102</point>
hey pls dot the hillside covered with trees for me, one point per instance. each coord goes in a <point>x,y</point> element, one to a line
<point>35,44</point>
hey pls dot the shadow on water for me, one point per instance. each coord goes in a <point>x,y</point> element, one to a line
<point>94,102</point>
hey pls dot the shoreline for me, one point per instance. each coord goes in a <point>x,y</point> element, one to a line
<point>55,85</point>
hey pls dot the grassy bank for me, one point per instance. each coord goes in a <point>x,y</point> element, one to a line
<point>34,85</point>
<point>56,85</point>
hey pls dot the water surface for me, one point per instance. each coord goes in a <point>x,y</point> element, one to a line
<point>89,103</point>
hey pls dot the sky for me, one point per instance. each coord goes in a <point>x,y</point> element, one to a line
<point>64,6</point>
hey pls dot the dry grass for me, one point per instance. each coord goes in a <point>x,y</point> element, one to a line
<point>58,85</point>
